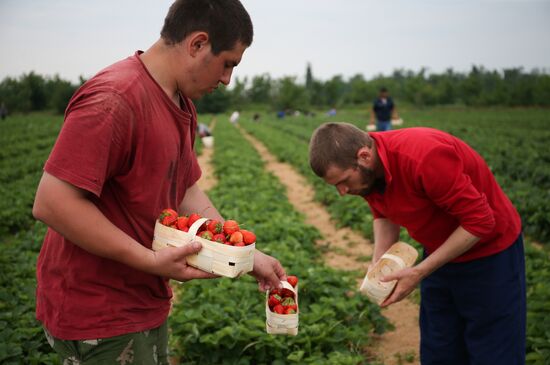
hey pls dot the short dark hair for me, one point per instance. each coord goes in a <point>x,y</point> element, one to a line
<point>225,21</point>
<point>336,144</point>
<point>383,89</point>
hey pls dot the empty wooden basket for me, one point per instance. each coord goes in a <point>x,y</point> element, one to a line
<point>399,256</point>
<point>214,257</point>
<point>282,324</point>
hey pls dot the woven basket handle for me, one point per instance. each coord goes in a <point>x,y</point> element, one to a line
<point>195,226</point>
<point>286,285</point>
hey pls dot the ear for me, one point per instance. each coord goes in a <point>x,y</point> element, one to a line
<point>364,154</point>
<point>197,43</point>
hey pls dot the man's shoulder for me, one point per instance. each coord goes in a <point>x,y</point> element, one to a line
<point>413,142</point>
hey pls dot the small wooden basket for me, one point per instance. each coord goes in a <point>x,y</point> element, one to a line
<point>282,324</point>
<point>214,257</point>
<point>208,141</point>
<point>399,256</point>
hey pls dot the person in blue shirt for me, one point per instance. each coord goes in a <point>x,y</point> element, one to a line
<point>383,111</point>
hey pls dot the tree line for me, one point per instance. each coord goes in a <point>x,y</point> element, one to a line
<point>477,87</point>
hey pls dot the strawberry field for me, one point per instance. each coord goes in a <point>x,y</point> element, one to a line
<point>223,321</point>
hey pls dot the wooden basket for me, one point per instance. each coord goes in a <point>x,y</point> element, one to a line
<point>282,324</point>
<point>399,256</point>
<point>208,141</point>
<point>214,257</point>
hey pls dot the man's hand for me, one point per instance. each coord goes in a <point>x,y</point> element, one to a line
<point>407,280</point>
<point>172,263</point>
<point>268,271</point>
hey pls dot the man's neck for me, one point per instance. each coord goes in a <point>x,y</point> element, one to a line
<point>157,61</point>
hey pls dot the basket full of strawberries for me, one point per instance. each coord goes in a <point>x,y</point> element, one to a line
<point>227,250</point>
<point>281,308</point>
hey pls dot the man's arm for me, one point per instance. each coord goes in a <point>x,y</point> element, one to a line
<point>386,233</point>
<point>68,210</point>
<point>458,242</point>
<point>267,270</point>
<point>196,201</point>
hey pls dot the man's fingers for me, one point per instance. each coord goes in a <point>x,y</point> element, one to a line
<point>189,249</point>
<point>194,273</point>
<point>280,271</point>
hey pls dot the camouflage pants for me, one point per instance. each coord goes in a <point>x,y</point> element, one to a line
<point>143,348</point>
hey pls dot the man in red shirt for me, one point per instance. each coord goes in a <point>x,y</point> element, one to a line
<point>124,153</point>
<point>437,187</point>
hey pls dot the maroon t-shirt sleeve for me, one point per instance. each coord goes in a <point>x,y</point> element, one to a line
<point>441,175</point>
<point>375,213</point>
<point>94,142</point>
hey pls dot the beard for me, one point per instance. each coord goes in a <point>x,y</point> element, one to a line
<point>372,183</point>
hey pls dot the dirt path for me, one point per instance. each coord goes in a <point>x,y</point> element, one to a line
<point>346,251</point>
<point>208,179</point>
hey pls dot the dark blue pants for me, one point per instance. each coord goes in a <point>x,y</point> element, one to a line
<point>474,313</point>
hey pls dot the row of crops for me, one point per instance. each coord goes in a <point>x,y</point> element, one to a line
<point>218,321</point>
<point>222,321</point>
<point>515,145</point>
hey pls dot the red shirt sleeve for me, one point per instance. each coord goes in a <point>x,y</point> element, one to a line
<point>441,175</point>
<point>376,213</point>
<point>94,142</point>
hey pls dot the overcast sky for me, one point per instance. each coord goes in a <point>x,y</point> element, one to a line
<point>346,37</point>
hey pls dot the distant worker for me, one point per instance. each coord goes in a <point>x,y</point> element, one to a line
<point>234,118</point>
<point>203,130</point>
<point>383,110</point>
<point>3,111</point>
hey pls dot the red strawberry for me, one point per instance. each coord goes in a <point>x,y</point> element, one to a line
<point>168,216</point>
<point>287,293</point>
<point>236,237</point>
<point>239,244</point>
<point>273,300</point>
<point>248,237</point>
<point>215,226</point>
<point>181,222</point>
<point>279,309</point>
<point>207,235</point>
<point>275,291</point>
<point>290,311</point>
<point>220,238</point>
<point>192,219</point>
<point>292,280</point>
<point>230,226</point>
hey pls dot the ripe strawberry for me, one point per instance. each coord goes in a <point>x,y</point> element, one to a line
<point>181,222</point>
<point>275,291</point>
<point>292,280</point>
<point>207,235</point>
<point>220,238</point>
<point>236,237</point>
<point>248,237</point>
<point>279,309</point>
<point>286,293</point>
<point>168,216</point>
<point>290,311</point>
<point>273,300</point>
<point>215,226</point>
<point>230,226</point>
<point>192,219</point>
<point>239,244</point>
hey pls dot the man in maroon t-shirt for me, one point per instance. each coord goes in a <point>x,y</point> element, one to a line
<point>124,153</point>
<point>437,187</point>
